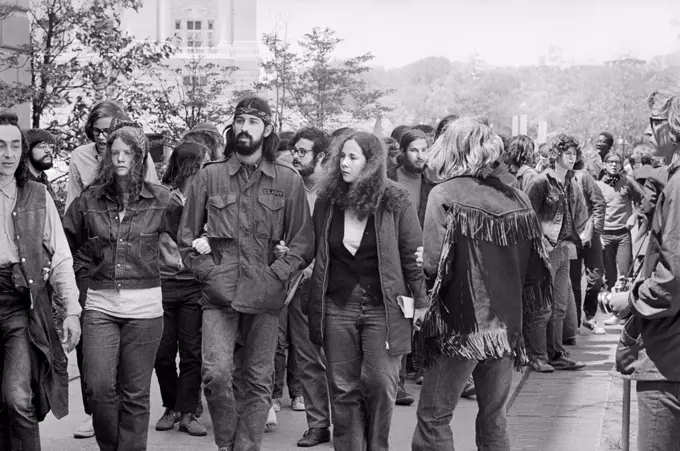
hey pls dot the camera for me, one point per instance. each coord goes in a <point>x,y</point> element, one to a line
<point>623,284</point>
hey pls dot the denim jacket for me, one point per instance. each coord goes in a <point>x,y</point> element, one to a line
<point>547,193</point>
<point>124,254</point>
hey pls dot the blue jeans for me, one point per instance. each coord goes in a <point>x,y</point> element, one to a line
<point>18,423</point>
<point>363,375</point>
<point>658,415</point>
<point>442,386</point>
<point>118,357</point>
<point>182,319</point>
<point>239,427</point>
<point>311,364</point>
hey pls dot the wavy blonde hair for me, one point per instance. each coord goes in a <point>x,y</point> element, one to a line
<point>466,147</point>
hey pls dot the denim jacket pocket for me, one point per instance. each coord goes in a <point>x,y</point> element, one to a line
<point>148,246</point>
<point>222,216</point>
<point>270,222</point>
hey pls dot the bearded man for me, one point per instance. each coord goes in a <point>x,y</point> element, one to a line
<point>244,206</point>
<point>41,145</point>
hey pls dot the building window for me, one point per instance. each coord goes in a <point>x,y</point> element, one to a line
<point>195,80</point>
<point>194,33</point>
<point>211,33</point>
<point>178,25</point>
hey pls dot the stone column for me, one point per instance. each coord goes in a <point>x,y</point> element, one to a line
<point>161,20</point>
<point>14,32</point>
<point>225,18</point>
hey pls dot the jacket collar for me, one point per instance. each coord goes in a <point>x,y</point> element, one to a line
<point>266,166</point>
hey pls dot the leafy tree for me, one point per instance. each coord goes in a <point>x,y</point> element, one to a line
<point>77,55</point>
<point>172,101</point>
<point>279,73</point>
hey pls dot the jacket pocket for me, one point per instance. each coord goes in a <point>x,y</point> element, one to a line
<point>148,247</point>
<point>261,289</point>
<point>222,216</point>
<point>218,286</point>
<point>270,217</point>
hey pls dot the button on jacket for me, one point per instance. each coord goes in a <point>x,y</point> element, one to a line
<point>124,254</point>
<point>244,217</point>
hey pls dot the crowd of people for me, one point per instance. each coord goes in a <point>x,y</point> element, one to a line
<point>342,262</point>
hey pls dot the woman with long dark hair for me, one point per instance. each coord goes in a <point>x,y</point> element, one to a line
<point>182,315</point>
<point>83,165</point>
<point>367,233</point>
<point>120,217</point>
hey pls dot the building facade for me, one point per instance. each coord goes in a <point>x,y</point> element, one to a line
<point>222,32</point>
<point>14,33</point>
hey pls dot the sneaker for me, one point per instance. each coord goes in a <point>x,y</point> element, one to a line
<point>569,341</point>
<point>272,422</point>
<point>563,362</point>
<point>189,424</point>
<point>298,404</point>
<point>404,398</point>
<point>469,390</point>
<point>276,404</point>
<point>541,366</point>
<point>419,380</point>
<point>167,421</point>
<point>612,321</point>
<point>85,430</point>
<point>594,327</point>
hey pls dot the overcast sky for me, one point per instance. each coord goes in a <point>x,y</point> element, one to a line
<point>501,32</point>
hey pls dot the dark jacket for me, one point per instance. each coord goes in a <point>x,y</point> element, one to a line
<point>655,297</point>
<point>48,362</point>
<point>525,175</point>
<point>594,200</point>
<point>42,178</point>
<point>485,260</point>
<point>171,265</point>
<point>546,194</point>
<point>398,235</point>
<point>244,221</point>
<point>425,188</point>
<point>123,254</point>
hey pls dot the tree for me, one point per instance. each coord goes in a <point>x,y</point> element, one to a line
<point>279,76</point>
<point>77,55</point>
<point>172,101</point>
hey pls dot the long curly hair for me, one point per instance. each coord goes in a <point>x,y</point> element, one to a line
<point>559,144</point>
<point>105,181</point>
<point>363,195</point>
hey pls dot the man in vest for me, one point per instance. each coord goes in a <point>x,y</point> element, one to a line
<point>34,379</point>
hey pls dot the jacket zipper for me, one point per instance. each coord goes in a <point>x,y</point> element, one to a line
<point>387,316</point>
<point>325,273</point>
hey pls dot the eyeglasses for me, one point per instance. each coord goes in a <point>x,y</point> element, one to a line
<point>301,152</point>
<point>99,131</point>
<point>655,122</point>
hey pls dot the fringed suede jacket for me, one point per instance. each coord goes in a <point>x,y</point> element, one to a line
<point>483,259</point>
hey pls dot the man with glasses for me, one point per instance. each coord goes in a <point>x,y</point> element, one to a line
<point>308,148</point>
<point>41,146</point>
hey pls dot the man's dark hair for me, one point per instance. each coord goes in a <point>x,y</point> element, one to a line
<point>409,136</point>
<point>609,136</point>
<point>104,109</point>
<point>427,129</point>
<point>21,175</point>
<point>398,131</point>
<point>443,124</point>
<point>611,154</point>
<point>646,158</point>
<point>342,131</point>
<point>520,150</point>
<point>185,161</point>
<point>317,136</point>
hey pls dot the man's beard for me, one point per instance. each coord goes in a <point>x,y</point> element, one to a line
<point>305,170</point>
<point>249,148</point>
<point>42,164</point>
<point>410,167</point>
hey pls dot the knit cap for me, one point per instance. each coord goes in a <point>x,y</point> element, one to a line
<point>36,136</point>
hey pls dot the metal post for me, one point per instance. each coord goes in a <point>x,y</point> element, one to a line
<point>625,423</point>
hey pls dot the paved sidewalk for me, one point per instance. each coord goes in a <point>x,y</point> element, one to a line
<point>565,410</point>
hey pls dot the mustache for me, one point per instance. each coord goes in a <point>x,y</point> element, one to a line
<point>245,134</point>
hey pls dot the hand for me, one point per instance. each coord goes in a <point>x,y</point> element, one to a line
<point>619,304</point>
<point>419,317</point>
<point>419,256</point>
<point>624,191</point>
<point>70,332</point>
<point>201,245</point>
<point>281,250</point>
<point>631,221</point>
